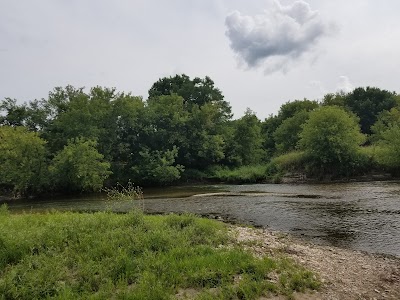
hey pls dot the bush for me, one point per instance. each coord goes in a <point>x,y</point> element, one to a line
<point>22,160</point>
<point>80,167</point>
<point>244,174</point>
<point>330,140</point>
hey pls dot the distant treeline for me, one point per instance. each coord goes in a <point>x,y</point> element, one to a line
<point>80,141</point>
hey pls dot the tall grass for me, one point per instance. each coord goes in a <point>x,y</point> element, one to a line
<point>244,174</point>
<point>132,256</point>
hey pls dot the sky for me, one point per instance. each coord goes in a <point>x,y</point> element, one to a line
<point>259,53</point>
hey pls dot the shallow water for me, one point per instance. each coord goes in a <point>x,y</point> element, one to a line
<point>363,216</point>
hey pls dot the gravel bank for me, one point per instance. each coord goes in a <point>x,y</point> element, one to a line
<point>345,274</point>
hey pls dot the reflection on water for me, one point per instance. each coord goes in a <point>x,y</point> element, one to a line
<point>364,216</point>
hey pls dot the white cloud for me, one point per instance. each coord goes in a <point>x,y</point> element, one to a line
<point>277,37</point>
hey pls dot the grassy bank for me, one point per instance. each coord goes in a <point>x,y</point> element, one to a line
<point>131,256</point>
<point>244,174</point>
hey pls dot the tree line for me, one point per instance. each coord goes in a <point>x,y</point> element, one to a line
<point>77,140</point>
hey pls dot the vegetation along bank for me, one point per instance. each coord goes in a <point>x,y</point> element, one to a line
<point>132,256</point>
<point>82,140</point>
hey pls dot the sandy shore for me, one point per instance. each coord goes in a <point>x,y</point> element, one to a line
<point>345,274</point>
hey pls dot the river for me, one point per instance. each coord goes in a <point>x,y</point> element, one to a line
<point>362,215</point>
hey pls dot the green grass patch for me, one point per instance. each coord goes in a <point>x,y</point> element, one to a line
<point>244,174</point>
<point>132,256</point>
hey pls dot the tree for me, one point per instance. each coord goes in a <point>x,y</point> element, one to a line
<point>286,136</point>
<point>386,119</point>
<point>129,117</point>
<point>331,139</point>
<point>204,141</point>
<point>337,99</point>
<point>166,120</point>
<point>15,115</point>
<point>388,150</point>
<point>268,128</point>
<point>386,138</point>
<point>197,91</point>
<point>22,160</point>
<point>289,109</point>
<point>367,103</point>
<point>157,167</point>
<point>248,139</point>
<point>79,167</point>
<point>74,113</point>
<point>271,124</point>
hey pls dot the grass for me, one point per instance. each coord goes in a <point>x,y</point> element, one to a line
<point>132,256</point>
<point>244,174</point>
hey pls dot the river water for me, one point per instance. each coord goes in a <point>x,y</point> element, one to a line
<point>363,216</point>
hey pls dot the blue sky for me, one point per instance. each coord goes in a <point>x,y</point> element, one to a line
<point>261,54</point>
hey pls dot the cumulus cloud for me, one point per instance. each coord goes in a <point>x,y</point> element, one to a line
<point>344,85</point>
<point>277,37</point>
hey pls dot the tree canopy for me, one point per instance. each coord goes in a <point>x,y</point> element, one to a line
<point>85,138</point>
<point>22,160</point>
<point>330,139</point>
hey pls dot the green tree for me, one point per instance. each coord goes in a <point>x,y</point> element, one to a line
<point>367,103</point>
<point>271,124</point>
<point>386,119</point>
<point>166,120</point>
<point>14,114</point>
<point>204,140</point>
<point>289,109</point>
<point>286,136</point>
<point>129,117</point>
<point>74,114</point>
<point>337,99</point>
<point>388,150</point>
<point>331,139</point>
<point>268,128</point>
<point>22,160</point>
<point>157,167</point>
<point>248,139</point>
<point>79,167</point>
<point>386,138</point>
<point>197,91</point>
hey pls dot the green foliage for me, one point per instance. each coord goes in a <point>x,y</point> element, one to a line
<point>157,167</point>
<point>79,167</point>
<point>292,161</point>
<point>75,113</point>
<point>204,144</point>
<point>337,99</point>
<point>106,255</point>
<point>286,136</point>
<point>289,109</point>
<point>243,174</point>
<point>22,160</point>
<point>388,150</point>
<point>367,103</point>
<point>268,129</point>
<point>14,115</point>
<point>330,140</point>
<point>194,92</point>
<point>184,124</point>
<point>385,120</point>
<point>248,139</point>
<point>166,120</point>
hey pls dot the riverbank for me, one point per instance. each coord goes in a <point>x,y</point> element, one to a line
<point>105,255</point>
<point>345,274</point>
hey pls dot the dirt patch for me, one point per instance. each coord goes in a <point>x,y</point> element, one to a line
<point>345,274</point>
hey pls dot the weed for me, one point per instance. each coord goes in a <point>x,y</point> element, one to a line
<point>132,256</point>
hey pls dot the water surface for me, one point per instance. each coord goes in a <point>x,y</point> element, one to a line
<point>363,216</point>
